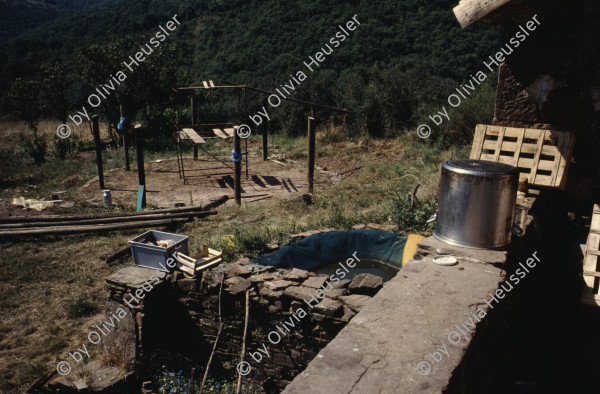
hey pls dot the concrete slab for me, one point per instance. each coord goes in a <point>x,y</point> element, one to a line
<point>432,245</point>
<point>402,341</point>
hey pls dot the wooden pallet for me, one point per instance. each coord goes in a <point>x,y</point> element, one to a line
<point>591,268</point>
<point>542,155</point>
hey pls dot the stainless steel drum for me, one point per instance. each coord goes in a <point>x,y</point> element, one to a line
<point>476,203</point>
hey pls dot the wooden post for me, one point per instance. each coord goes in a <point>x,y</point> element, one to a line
<point>311,152</point>
<point>265,146</point>
<point>246,139</point>
<point>237,180</point>
<point>139,149</point>
<point>125,142</point>
<point>193,125</point>
<point>96,132</point>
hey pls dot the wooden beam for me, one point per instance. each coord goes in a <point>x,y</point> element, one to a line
<point>57,218</point>
<point>106,220</point>
<point>469,11</point>
<point>64,230</point>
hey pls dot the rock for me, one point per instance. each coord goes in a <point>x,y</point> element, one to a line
<point>211,279</point>
<point>341,284</point>
<point>359,226</point>
<point>266,268</point>
<point>328,307</point>
<point>336,293</point>
<point>278,284</point>
<point>238,269</point>
<point>315,282</point>
<point>187,285</point>
<point>261,278</point>
<point>272,246</point>
<point>355,301</point>
<point>296,274</point>
<point>237,285</point>
<point>80,385</point>
<point>273,309</point>
<point>382,227</point>
<point>299,293</point>
<point>365,284</point>
<point>268,293</point>
<point>348,314</point>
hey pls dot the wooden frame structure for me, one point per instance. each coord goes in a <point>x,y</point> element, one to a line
<point>187,132</point>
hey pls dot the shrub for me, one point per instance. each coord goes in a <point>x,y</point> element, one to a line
<point>411,215</point>
<point>34,147</point>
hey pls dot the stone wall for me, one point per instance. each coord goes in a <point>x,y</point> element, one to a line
<point>182,314</point>
<point>552,80</point>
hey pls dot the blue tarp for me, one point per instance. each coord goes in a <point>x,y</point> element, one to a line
<point>317,250</point>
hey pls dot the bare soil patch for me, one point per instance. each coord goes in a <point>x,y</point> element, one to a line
<point>207,178</point>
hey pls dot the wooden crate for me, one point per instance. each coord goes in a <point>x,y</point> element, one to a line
<point>542,155</point>
<point>591,268</point>
<point>194,265</point>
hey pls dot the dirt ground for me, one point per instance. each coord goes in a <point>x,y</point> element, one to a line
<point>206,178</point>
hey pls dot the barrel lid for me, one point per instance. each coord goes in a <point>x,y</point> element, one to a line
<point>479,167</point>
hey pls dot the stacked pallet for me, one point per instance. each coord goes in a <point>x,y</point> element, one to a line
<point>591,269</point>
<point>86,223</point>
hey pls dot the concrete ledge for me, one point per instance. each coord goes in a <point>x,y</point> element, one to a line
<point>404,325</point>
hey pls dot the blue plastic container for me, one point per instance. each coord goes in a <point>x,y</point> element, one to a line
<point>152,256</point>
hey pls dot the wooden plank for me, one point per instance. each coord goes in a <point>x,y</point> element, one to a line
<point>517,148</point>
<point>592,273</point>
<point>478,140</point>
<point>185,269</point>
<point>140,218</point>
<point>190,134</point>
<point>543,180</point>
<point>124,251</point>
<point>220,133</point>
<point>566,152</point>
<point>206,266</point>
<point>536,160</point>
<point>58,218</point>
<point>229,131</point>
<point>63,230</point>
<point>595,225</point>
<point>558,157</point>
<point>590,260</point>
<point>468,12</point>
<point>499,144</point>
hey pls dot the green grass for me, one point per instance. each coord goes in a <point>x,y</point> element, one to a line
<point>60,280</point>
